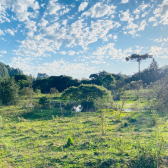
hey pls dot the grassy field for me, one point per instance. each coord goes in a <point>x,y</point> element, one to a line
<point>38,138</point>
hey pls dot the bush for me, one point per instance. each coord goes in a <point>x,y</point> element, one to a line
<point>145,160</point>
<point>69,142</point>
<point>132,119</point>
<point>125,124</point>
<point>8,92</point>
<point>43,100</point>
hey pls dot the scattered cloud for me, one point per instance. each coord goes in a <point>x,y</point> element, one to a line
<point>82,6</point>
<point>161,14</point>
<point>57,67</point>
<point>1,32</point>
<point>11,32</point>
<point>100,10</point>
<point>159,52</point>
<point>124,1</point>
<point>71,52</point>
<point>3,52</point>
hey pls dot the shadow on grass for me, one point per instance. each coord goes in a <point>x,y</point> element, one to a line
<point>46,114</point>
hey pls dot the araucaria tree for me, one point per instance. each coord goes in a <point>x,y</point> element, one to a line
<point>86,95</point>
<point>138,58</point>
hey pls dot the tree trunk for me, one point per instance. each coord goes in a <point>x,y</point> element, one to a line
<point>139,70</point>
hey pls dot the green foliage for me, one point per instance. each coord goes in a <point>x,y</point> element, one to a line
<point>23,80</point>
<point>26,91</point>
<point>38,91</point>
<point>125,124</point>
<point>58,82</point>
<point>104,79</point>
<point>43,100</point>
<point>138,57</point>
<point>149,155</point>
<point>8,92</point>
<point>159,95</point>
<point>3,70</point>
<point>6,70</point>
<point>86,94</point>
<point>132,119</point>
<point>70,142</point>
<point>54,91</point>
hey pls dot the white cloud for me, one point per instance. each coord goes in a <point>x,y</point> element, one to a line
<point>159,52</point>
<point>161,40</point>
<point>1,32</point>
<point>57,67</point>
<point>126,16</point>
<point>19,7</point>
<point>144,14</point>
<point>56,9</point>
<point>142,25</point>
<point>111,52</point>
<point>11,32</point>
<point>152,19</point>
<point>53,7</point>
<point>161,12</point>
<point>31,25</point>
<point>3,52</point>
<point>124,1</point>
<point>131,27</point>
<point>71,52</point>
<point>43,23</point>
<point>63,52</point>
<point>115,37</point>
<point>82,6</point>
<point>99,10</point>
<point>36,47</point>
<point>55,35</point>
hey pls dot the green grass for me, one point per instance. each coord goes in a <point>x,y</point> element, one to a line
<point>38,138</point>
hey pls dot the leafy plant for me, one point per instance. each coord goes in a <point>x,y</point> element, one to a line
<point>70,142</point>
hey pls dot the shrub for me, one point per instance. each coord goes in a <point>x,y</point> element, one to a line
<point>43,100</point>
<point>132,119</point>
<point>145,160</point>
<point>125,124</point>
<point>69,142</point>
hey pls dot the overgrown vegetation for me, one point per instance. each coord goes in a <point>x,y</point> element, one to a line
<point>110,120</point>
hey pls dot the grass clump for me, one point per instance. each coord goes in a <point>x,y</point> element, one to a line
<point>70,142</point>
<point>132,119</point>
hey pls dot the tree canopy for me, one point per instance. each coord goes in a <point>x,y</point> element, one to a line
<point>86,94</point>
<point>8,92</point>
<point>138,58</point>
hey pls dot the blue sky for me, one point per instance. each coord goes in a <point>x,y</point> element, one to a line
<point>77,38</point>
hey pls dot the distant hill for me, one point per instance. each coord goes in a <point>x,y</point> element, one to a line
<point>6,70</point>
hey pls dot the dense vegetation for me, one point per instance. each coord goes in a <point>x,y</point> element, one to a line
<point>108,120</point>
<point>6,70</point>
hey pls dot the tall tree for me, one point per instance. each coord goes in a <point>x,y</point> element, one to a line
<point>8,92</point>
<point>138,58</point>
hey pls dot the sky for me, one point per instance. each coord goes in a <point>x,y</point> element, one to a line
<point>81,37</point>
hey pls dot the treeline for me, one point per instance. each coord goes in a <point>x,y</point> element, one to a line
<point>6,70</point>
<point>110,81</point>
<point>21,84</point>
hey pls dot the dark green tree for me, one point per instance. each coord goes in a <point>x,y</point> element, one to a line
<point>86,95</point>
<point>138,58</point>
<point>103,79</point>
<point>8,92</point>
<point>43,100</point>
